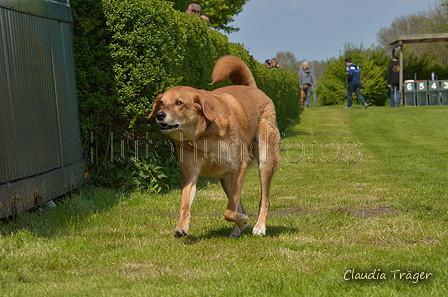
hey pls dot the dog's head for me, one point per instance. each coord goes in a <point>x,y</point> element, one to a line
<point>183,110</point>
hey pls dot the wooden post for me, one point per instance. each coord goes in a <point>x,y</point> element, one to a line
<point>401,73</point>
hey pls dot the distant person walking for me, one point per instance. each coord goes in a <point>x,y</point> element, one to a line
<point>306,83</point>
<point>354,83</point>
<point>393,82</point>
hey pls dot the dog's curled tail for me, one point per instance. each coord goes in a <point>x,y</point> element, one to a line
<point>235,69</point>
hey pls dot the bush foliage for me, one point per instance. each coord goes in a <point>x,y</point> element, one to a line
<point>332,88</point>
<point>421,67</point>
<point>129,51</point>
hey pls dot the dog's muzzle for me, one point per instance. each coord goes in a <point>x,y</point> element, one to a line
<point>160,117</point>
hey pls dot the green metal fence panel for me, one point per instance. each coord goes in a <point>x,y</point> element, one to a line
<point>40,146</point>
<point>422,93</point>
<point>409,93</point>
<point>434,92</point>
<point>444,92</point>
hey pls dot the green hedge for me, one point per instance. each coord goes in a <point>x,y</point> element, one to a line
<point>332,87</point>
<point>127,52</point>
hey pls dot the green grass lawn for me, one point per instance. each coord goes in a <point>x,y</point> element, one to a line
<point>359,193</point>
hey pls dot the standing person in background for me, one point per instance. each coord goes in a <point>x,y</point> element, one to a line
<point>268,63</point>
<point>306,83</point>
<point>354,83</point>
<point>393,82</point>
<point>193,8</point>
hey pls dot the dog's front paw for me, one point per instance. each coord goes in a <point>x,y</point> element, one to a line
<point>259,230</point>
<point>180,233</point>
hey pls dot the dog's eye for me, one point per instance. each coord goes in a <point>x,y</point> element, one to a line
<point>178,102</point>
<point>161,103</point>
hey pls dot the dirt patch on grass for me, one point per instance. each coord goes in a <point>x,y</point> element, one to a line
<point>273,213</point>
<point>363,213</point>
<point>286,212</point>
<point>374,212</point>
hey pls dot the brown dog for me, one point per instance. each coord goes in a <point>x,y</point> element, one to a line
<point>303,95</point>
<point>219,134</point>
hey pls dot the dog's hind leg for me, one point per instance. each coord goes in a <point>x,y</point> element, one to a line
<point>269,158</point>
<point>226,183</point>
<point>235,212</point>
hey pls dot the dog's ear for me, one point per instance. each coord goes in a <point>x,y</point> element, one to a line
<point>155,106</point>
<point>206,106</point>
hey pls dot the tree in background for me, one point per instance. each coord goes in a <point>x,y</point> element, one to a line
<point>332,87</point>
<point>220,12</point>
<point>288,61</point>
<point>420,59</point>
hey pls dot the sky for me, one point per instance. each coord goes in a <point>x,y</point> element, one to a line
<point>315,29</point>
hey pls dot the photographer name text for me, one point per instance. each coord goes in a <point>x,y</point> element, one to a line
<point>377,274</point>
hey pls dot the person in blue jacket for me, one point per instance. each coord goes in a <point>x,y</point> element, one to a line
<point>354,83</point>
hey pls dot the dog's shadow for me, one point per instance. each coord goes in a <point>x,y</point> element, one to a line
<point>271,231</point>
